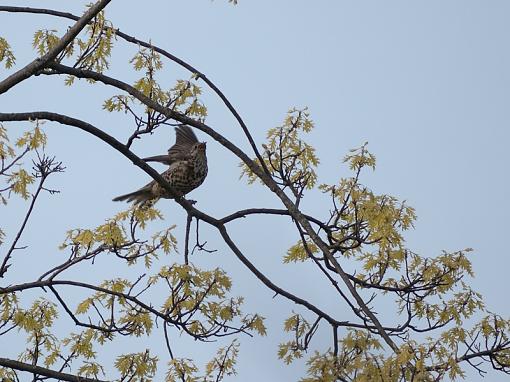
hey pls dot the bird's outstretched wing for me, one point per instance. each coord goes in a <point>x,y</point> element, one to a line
<point>184,137</point>
<point>184,140</point>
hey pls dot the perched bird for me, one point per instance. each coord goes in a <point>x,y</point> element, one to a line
<point>187,169</point>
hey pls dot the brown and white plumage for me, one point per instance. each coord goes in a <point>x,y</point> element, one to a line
<point>187,169</point>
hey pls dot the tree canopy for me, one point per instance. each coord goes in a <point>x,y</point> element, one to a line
<point>68,327</point>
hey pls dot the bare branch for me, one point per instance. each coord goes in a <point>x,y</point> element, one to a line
<point>268,180</point>
<point>16,365</point>
<point>184,203</point>
<point>168,55</point>
<point>44,168</point>
<point>41,62</point>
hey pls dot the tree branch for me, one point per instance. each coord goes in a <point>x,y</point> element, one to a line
<point>268,211</point>
<point>266,179</point>
<point>16,365</point>
<point>41,62</point>
<point>4,266</point>
<point>185,204</point>
<point>163,52</point>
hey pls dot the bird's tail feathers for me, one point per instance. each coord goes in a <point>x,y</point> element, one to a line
<point>137,197</point>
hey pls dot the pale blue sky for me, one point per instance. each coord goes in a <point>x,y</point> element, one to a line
<point>427,84</point>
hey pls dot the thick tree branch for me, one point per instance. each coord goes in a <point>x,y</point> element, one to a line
<point>21,366</point>
<point>266,179</point>
<point>66,120</point>
<point>185,204</point>
<point>41,62</point>
<point>163,52</point>
<point>496,354</point>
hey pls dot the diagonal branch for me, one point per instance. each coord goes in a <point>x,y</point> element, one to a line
<point>163,52</point>
<point>4,266</point>
<point>16,365</point>
<point>184,203</point>
<point>57,69</point>
<point>41,62</point>
<point>266,179</point>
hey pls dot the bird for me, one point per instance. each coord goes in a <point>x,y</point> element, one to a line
<point>187,169</point>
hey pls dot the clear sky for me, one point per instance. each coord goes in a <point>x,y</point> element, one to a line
<point>427,84</point>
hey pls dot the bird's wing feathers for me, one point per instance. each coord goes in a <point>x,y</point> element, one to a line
<point>184,139</point>
<point>184,136</point>
<point>158,158</point>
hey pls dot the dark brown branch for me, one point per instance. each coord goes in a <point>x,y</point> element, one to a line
<point>186,239</point>
<point>4,266</point>
<point>99,134</point>
<point>16,365</point>
<point>41,62</point>
<point>89,74</point>
<point>53,272</point>
<point>334,283</point>
<point>5,8</point>
<point>43,169</point>
<point>267,282</point>
<point>73,317</point>
<point>52,283</point>
<point>268,211</point>
<point>4,169</point>
<point>266,179</point>
<point>185,204</point>
<point>168,55</point>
